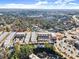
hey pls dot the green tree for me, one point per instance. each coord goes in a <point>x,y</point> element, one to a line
<point>16,50</point>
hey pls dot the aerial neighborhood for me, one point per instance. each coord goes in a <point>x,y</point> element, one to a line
<point>39,34</point>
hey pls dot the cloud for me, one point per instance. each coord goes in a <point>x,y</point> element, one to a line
<point>66,4</point>
<point>44,4</point>
<point>63,1</point>
<point>23,6</point>
<point>41,4</point>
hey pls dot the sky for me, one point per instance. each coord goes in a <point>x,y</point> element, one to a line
<point>40,4</point>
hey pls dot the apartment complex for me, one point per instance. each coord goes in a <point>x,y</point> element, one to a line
<point>11,38</point>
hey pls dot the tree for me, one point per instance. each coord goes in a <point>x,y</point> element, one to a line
<point>26,50</point>
<point>16,50</point>
<point>7,29</point>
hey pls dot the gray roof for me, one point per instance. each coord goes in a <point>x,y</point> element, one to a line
<point>9,38</point>
<point>34,37</point>
<point>27,37</point>
<point>3,36</point>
